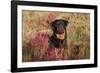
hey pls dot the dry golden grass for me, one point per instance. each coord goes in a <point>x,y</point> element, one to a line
<point>78,32</point>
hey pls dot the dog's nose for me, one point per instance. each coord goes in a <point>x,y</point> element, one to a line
<point>59,32</point>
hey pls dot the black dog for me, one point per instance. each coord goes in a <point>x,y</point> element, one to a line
<point>59,36</point>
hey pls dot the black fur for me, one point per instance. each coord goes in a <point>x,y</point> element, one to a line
<point>58,26</point>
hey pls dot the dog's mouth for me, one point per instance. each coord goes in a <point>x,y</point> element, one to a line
<point>60,35</point>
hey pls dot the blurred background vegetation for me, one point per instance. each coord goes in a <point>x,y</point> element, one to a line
<point>78,32</point>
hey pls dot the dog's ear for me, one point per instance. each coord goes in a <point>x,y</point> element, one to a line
<point>66,23</point>
<point>52,25</point>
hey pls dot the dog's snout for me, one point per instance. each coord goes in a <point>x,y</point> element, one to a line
<point>59,29</point>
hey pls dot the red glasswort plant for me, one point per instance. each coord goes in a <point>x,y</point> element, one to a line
<point>39,45</point>
<point>54,54</point>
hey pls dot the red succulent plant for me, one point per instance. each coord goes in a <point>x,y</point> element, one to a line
<point>39,45</point>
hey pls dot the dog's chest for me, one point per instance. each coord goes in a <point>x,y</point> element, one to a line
<point>55,43</point>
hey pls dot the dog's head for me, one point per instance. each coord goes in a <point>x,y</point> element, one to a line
<point>59,28</point>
